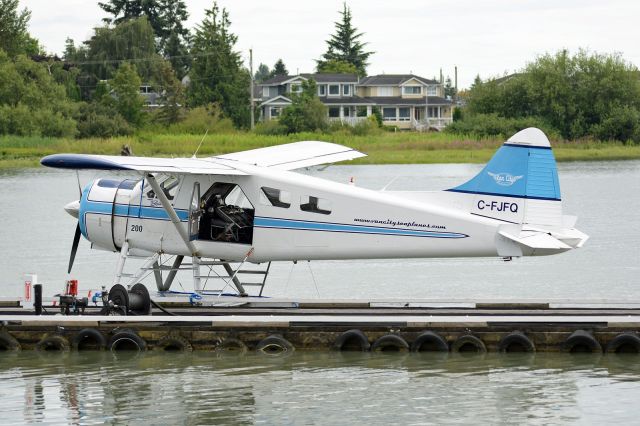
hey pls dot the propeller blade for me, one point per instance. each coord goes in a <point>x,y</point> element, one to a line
<point>79,186</point>
<point>74,247</point>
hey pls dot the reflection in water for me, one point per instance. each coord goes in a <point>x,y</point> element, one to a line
<point>308,387</point>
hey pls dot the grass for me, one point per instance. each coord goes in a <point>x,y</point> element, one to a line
<point>383,148</point>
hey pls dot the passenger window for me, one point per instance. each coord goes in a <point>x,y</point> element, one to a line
<point>315,205</point>
<point>275,197</point>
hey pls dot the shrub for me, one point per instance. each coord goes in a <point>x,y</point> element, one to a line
<point>198,120</point>
<point>492,126</point>
<point>270,127</point>
<point>99,119</point>
<point>621,123</point>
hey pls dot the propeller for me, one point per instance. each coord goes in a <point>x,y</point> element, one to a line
<point>73,209</point>
<point>74,247</point>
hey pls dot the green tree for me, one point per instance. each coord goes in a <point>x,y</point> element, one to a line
<point>126,89</point>
<point>345,45</point>
<point>306,112</point>
<point>14,37</point>
<point>262,73</point>
<point>279,69</point>
<point>171,92</point>
<point>217,75</point>
<point>449,90</point>
<point>335,66</point>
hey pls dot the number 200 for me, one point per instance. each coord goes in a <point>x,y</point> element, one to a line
<point>136,228</point>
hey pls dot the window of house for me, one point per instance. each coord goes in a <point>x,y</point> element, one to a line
<point>296,88</point>
<point>346,89</point>
<point>361,111</point>
<point>334,89</point>
<point>334,112</point>
<point>432,91</point>
<point>389,114</point>
<point>315,205</point>
<point>412,90</point>
<point>275,111</point>
<point>404,114</point>
<point>322,90</point>
<point>347,112</point>
<point>265,92</point>
<point>275,197</point>
<point>385,91</point>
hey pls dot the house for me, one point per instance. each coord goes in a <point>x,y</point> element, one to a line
<point>403,100</point>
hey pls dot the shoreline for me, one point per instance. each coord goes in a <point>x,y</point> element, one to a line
<point>385,148</point>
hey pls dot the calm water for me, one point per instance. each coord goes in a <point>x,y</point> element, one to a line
<point>325,388</point>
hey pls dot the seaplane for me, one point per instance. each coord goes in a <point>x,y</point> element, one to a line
<point>252,207</point>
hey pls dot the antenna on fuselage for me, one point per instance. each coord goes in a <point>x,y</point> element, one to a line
<point>199,145</point>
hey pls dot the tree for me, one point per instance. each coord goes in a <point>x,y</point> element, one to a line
<point>126,89</point>
<point>172,94</point>
<point>217,74</point>
<point>14,37</point>
<point>449,90</point>
<point>345,45</point>
<point>262,73</point>
<point>306,112</point>
<point>335,66</point>
<point>279,69</point>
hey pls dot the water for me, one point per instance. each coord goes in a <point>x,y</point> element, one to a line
<point>330,388</point>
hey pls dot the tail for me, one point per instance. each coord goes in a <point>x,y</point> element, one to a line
<point>519,186</point>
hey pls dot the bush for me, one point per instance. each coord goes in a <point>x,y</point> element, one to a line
<point>198,120</point>
<point>270,128</point>
<point>24,121</point>
<point>492,126</point>
<point>622,124</point>
<point>98,119</point>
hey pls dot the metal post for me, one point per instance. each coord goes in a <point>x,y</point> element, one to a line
<point>37,301</point>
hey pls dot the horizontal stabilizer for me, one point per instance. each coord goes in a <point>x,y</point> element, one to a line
<point>294,155</point>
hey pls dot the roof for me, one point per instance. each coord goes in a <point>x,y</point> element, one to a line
<point>278,79</point>
<point>318,77</point>
<point>397,100</point>
<point>346,100</point>
<point>393,80</point>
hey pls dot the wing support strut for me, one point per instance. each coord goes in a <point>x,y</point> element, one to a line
<point>172,214</point>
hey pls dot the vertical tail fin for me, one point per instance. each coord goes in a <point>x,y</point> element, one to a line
<point>520,182</point>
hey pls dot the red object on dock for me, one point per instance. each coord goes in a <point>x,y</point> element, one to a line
<point>72,287</point>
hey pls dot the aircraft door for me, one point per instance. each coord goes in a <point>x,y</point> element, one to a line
<point>195,212</point>
<point>121,209</point>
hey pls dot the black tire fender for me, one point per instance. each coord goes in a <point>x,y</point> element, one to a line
<point>9,343</point>
<point>431,341</point>
<point>581,339</point>
<point>175,343</point>
<point>390,342</point>
<point>274,345</point>
<point>126,340</point>
<point>349,337</point>
<point>516,339</point>
<point>463,342</point>
<point>623,342</point>
<point>54,342</point>
<point>89,334</point>
<point>232,345</point>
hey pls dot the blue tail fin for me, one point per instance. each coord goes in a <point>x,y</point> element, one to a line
<point>524,167</point>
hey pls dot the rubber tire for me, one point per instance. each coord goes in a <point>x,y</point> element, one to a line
<point>231,346</point>
<point>623,339</point>
<point>282,345</point>
<point>54,342</point>
<point>9,343</point>
<point>126,335</point>
<point>178,342</point>
<point>518,338</point>
<point>430,337</point>
<point>91,333</point>
<point>351,335</point>
<point>581,338</point>
<point>467,339</point>
<point>390,341</point>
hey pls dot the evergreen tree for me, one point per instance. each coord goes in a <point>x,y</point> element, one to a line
<point>279,69</point>
<point>171,91</point>
<point>335,66</point>
<point>262,73</point>
<point>449,90</point>
<point>345,45</point>
<point>14,37</point>
<point>217,75</point>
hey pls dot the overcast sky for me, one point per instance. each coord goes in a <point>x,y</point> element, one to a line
<point>486,37</point>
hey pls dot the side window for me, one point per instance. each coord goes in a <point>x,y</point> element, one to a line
<point>169,187</point>
<point>275,197</point>
<point>315,205</point>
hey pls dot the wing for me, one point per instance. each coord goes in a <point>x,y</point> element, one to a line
<point>294,155</point>
<point>143,164</point>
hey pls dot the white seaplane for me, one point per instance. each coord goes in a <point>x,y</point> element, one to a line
<point>251,207</point>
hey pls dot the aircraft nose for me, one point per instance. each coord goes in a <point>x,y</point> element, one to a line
<point>73,208</point>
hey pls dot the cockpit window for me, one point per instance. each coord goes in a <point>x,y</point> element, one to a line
<point>275,197</point>
<point>169,186</point>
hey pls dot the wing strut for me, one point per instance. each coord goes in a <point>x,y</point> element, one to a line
<point>172,214</point>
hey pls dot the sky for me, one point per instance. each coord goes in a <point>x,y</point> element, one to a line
<point>481,37</point>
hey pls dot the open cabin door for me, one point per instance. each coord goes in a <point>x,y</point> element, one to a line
<point>195,212</point>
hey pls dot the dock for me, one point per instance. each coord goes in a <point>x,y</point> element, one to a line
<point>278,326</point>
